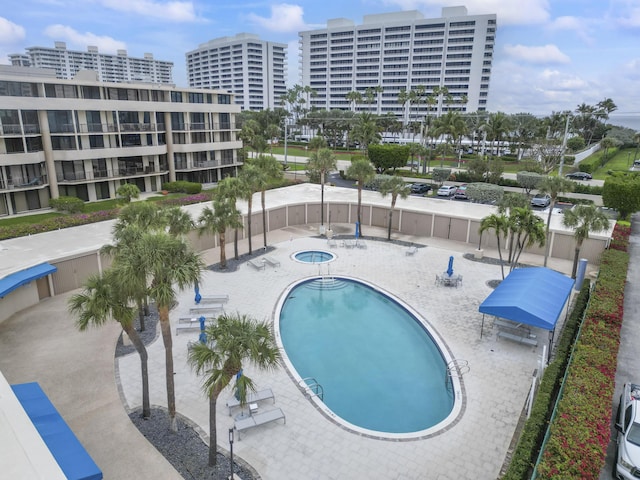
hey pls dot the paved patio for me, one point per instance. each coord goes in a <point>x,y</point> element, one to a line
<point>310,445</point>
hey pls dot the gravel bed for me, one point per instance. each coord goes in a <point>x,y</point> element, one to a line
<point>184,449</point>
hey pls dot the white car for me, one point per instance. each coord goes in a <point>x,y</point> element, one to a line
<point>447,190</point>
<point>628,427</point>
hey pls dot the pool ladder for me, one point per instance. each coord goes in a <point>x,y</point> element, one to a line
<point>312,388</point>
<point>456,368</point>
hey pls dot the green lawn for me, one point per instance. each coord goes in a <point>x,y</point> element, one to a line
<point>621,161</point>
<point>30,219</point>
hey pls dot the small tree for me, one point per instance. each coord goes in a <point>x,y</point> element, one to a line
<point>584,219</point>
<point>622,194</point>
<point>388,157</point>
<point>67,204</point>
<point>499,224</point>
<point>323,161</point>
<point>529,180</point>
<point>128,191</point>
<point>397,187</point>
<point>440,175</point>
<point>488,193</point>
<point>553,186</point>
<point>362,171</point>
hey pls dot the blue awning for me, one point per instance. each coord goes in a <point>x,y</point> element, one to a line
<point>67,450</point>
<point>9,283</point>
<point>533,296</point>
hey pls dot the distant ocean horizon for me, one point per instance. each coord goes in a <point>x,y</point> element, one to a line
<point>630,120</point>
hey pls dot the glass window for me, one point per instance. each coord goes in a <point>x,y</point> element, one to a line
<point>176,97</point>
<point>92,92</point>
<point>63,143</point>
<point>96,141</point>
<point>14,145</point>
<point>34,144</point>
<point>18,89</point>
<point>60,121</point>
<point>224,99</point>
<point>30,121</point>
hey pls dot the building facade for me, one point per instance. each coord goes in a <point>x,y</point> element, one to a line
<point>398,52</point>
<point>110,68</point>
<point>85,138</point>
<point>254,70</point>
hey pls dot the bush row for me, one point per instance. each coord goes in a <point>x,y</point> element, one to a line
<point>580,432</point>
<point>525,455</point>
<point>182,186</point>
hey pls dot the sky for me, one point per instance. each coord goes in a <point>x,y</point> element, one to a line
<point>550,55</point>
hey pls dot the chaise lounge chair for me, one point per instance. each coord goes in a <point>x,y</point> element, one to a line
<point>211,308</point>
<point>258,419</point>
<point>271,261</point>
<point>258,265</point>
<point>214,299</point>
<point>252,397</point>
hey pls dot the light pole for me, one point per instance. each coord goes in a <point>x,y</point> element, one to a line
<point>231,450</point>
<point>564,144</point>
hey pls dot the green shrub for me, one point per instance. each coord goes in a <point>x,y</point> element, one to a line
<point>182,186</point>
<point>589,164</point>
<point>67,204</point>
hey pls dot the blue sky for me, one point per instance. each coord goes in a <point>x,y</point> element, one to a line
<point>550,54</point>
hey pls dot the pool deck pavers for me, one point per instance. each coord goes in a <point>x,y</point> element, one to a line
<point>78,372</point>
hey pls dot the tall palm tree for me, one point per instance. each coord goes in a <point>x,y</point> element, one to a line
<point>170,264</point>
<point>224,215</point>
<point>499,223</point>
<point>232,188</point>
<point>249,176</point>
<point>362,171</point>
<point>554,186</point>
<point>322,161</point>
<point>269,171</point>
<point>178,221</point>
<point>584,219</point>
<point>397,187</point>
<point>146,215</point>
<point>232,342</point>
<point>272,131</point>
<point>354,97</point>
<point>496,126</point>
<point>526,229</point>
<point>101,300</point>
<point>404,99</point>
<point>366,131</point>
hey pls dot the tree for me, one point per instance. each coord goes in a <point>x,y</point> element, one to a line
<point>322,161</point>
<point>232,188</point>
<point>362,171</point>
<point>553,185</point>
<point>354,97</point>
<point>529,180</point>
<point>178,221</point>
<point>102,299</point>
<point>584,219</point>
<point>269,171</point>
<point>525,229</point>
<point>128,191</point>
<point>499,224</point>
<point>441,175</point>
<point>224,215</point>
<point>232,342</point>
<point>388,157</point>
<point>397,187</point>
<point>169,264</point>
<point>365,132</point>
<point>622,194</point>
<point>272,131</point>
<point>250,178</point>
<point>487,193</point>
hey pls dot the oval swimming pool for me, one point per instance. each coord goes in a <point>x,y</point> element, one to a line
<point>381,371</point>
<point>314,256</point>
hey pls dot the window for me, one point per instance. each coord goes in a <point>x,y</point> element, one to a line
<point>196,97</point>
<point>90,92</point>
<point>18,89</point>
<point>177,121</point>
<point>224,99</point>
<point>226,157</point>
<point>34,144</point>
<point>60,91</point>
<point>60,121</point>
<point>225,121</point>
<point>96,141</point>
<point>14,145</point>
<point>176,97</point>
<point>63,143</point>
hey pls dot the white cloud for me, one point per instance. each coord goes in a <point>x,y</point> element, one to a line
<point>544,54</point>
<point>284,18</point>
<point>509,12</point>
<point>10,33</point>
<point>173,11</point>
<point>82,40</point>
<point>580,26</point>
<point>631,18</point>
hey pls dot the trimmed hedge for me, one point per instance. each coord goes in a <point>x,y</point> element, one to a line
<point>182,186</point>
<point>67,204</point>
<point>581,430</point>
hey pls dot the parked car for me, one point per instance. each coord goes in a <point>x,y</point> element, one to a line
<point>628,427</point>
<point>420,188</point>
<point>579,176</point>
<point>541,200</point>
<point>461,192</point>
<point>447,190</point>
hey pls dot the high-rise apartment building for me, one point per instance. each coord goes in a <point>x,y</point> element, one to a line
<point>110,68</point>
<point>401,51</point>
<point>254,70</point>
<point>85,138</point>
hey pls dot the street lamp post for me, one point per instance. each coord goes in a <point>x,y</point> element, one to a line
<point>231,450</point>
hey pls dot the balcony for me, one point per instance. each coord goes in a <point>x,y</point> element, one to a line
<point>24,183</point>
<point>108,174</point>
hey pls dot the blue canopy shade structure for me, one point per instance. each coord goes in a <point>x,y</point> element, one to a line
<point>533,296</point>
<point>9,283</point>
<point>67,450</point>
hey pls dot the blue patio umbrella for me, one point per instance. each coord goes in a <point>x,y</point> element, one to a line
<point>357,230</point>
<point>198,297</point>
<point>202,337</point>
<point>202,320</point>
<point>237,393</point>
<point>450,268</point>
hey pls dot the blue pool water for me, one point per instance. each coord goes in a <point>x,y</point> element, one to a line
<point>314,256</point>
<point>379,368</point>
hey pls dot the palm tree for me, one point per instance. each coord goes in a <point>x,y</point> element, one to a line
<point>526,229</point>
<point>366,132</point>
<point>169,263</point>
<point>584,219</point>
<point>397,187</point>
<point>269,171</point>
<point>102,299</point>
<point>362,171</point>
<point>496,126</point>
<point>553,186</point>
<point>179,222</point>
<point>354,97</point>
<point>224,215</point>
<point>500,225</point>
<point>249,176</point>
<point>272,131</point>
<point>322,161</point>
<point>404,99</point>
<point>232,342</point>
<point>232,188</point>
<point>146,215</point>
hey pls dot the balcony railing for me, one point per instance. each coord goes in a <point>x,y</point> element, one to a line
<point>23,183</point>
<point>99,174</point>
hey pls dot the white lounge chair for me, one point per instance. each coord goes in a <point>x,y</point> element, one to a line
<point>258,265</point>
<point>214,299</point>
<point>211,308</point>
<point>271,261</point>
<point>411,250</point>
<point>252,397</point>
<point>258,419</point>
<point>361,243</point>
<point>331,242</point>
<point>191,327</point>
